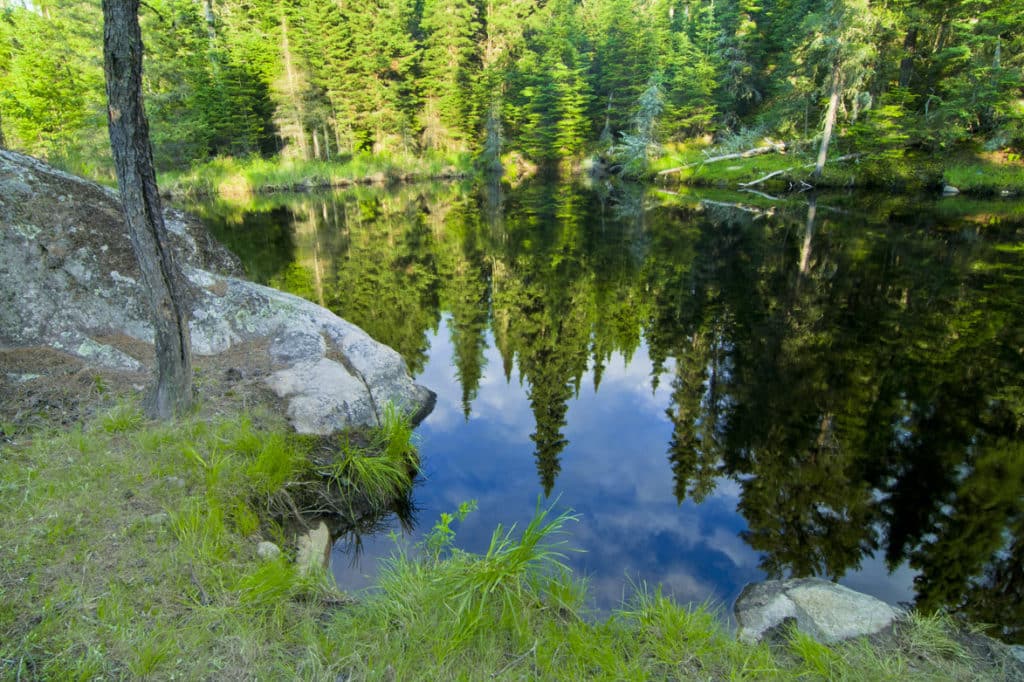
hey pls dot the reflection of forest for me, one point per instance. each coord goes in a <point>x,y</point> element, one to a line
<point>858,374</point>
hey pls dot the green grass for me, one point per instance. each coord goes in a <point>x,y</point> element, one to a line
<point>978,176</point>
<point>241,178</point>
<point>891,169</point>
<point>127,551</point>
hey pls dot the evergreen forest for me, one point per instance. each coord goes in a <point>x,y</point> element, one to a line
<point>550,83</point>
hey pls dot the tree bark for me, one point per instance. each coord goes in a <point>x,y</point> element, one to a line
<point>136,178</point>
<point>830,119</point>
<point>907,63</point>
<point>293,91</point>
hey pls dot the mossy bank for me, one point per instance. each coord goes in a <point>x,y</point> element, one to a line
<point>128,549</point>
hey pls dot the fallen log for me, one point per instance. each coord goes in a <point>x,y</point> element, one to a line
<point>756,151</point>
<point>754,183</point>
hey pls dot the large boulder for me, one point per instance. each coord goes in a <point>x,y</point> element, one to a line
<point>826,611</point>
<point>69,281</point>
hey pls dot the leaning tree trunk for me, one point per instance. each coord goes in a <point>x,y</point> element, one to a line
<point>133,158</point>
<point>830,119</point>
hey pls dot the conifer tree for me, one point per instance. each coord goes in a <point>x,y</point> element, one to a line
<point>450,65</point>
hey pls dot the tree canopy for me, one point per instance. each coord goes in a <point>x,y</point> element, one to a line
<point>556,79</point>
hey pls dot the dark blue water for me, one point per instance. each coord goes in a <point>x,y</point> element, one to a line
<point>614,475</point>
<point>724,388</point>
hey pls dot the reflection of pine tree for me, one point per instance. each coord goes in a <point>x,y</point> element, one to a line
<point>466,295</point>
<point>549,396</point>
<point>386,280</point>
<point>693,450</point>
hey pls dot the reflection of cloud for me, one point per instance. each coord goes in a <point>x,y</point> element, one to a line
<point>634,379</point>
<point>874,578</point>
<point>615,474</point>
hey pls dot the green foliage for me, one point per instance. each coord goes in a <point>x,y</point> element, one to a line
<point>383,470</point>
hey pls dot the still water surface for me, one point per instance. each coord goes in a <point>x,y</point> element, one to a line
<point>724,388</point>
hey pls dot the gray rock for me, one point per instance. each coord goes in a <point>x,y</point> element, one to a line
<point>314,550</point>
<point>950,191</point>
<point>1017,651</point>
<point>826,611</point>
<point>323,397</point>
<point>292,346</point>
<point>267,550</point>
<point>69,278</point>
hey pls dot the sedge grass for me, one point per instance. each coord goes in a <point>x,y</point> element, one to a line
<point>122,557</point>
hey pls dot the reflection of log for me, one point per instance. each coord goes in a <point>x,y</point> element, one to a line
<point>760,194</point>
<point>756,151</point>
<point>757,212</point>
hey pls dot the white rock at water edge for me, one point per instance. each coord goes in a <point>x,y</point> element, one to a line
<point>826,611</point>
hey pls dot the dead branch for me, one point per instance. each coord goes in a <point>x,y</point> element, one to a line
<point>754,183</point>
<point>756,151</point>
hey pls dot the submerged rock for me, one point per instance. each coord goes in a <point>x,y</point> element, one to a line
<point>314,550</point>
<point>69,281</point>
<point>824,610</point>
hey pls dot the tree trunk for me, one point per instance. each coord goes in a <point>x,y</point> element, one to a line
<point>133,158</point>
<point>3,143</point>
<point>830,119</point>
<point>907,63</point>
<point>293,91</point>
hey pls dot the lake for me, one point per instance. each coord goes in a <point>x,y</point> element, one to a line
<point>722,386</point>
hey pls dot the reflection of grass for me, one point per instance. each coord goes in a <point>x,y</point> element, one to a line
<point>124,553</point>
<point>238,179</point>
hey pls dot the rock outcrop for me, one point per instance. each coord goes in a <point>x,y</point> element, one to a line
<point>69,281</point>
<point>828,612</point>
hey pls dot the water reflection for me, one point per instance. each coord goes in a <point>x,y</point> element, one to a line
<point>844,372</point>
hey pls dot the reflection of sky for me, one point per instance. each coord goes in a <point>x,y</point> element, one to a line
<point>615,475</point>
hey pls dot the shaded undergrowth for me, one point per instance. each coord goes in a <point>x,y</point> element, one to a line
<point>128,550</point>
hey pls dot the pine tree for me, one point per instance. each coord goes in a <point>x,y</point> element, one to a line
<point>450,65</point>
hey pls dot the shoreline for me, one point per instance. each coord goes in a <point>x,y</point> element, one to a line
<point>137,558</point>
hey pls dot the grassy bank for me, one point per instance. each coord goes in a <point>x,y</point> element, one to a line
<point>971,172</point>
<point>128,550</point>
<point>238,178</point>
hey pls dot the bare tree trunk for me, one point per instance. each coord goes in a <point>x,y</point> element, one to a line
<point>907,63</point>
<point>133,158</point>
<point>293,92</point>
<point>830,119</point>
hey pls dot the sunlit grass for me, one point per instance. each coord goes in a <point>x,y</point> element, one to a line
<point>240,179</point>
<point>127,550</point>
<point>985,177</point>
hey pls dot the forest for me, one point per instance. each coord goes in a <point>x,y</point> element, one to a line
<point>550,83</point>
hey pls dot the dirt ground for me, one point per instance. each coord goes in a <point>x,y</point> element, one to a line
<point>42,387</point>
